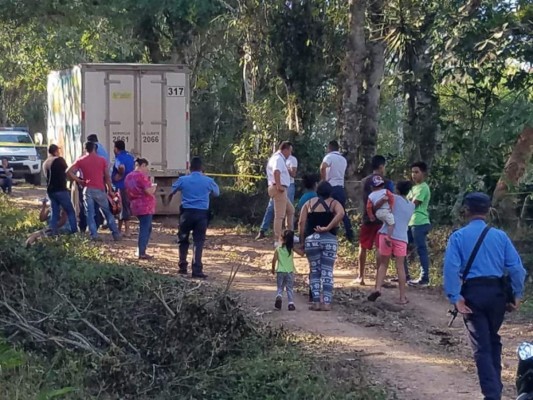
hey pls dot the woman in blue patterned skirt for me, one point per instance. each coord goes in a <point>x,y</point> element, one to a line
<point>319,220</point>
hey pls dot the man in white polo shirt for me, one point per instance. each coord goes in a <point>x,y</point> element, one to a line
<point>279,181</point>
<point>332,169</point>
<point>292,165</point>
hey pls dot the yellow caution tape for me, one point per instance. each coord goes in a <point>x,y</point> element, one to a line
<point>235,176</point>
<point>258,177</point>
<point>14,144</point>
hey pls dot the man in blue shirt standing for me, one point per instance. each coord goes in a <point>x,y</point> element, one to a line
<point>195,191</point>
<point>124,164</point>
<point>482,299</point>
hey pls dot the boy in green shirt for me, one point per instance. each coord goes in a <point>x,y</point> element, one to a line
<point>420,225</point>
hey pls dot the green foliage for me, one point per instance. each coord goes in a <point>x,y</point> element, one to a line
<point>305,41</point>
<point>94,328</point>
<point>9,357</point>
<point>259,141</point>
<point>474,57</point>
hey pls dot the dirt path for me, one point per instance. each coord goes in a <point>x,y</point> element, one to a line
<point>409,349</point>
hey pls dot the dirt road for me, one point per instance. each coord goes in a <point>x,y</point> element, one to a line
<point>407,348</point>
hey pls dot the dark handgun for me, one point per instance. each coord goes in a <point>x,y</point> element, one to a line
<point>453,314</point>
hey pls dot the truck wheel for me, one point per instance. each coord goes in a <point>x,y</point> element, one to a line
<point>34,179</point>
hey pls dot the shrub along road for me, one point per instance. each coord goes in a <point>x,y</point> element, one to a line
<point>409,350</point>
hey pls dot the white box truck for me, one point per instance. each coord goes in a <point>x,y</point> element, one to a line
<point>145,105</point>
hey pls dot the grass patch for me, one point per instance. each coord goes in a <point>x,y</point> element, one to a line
<point>78,325</point>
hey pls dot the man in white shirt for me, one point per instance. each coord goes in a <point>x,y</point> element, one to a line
<point>279,181</point>
<point>292,165</point>
<point>332,170</point>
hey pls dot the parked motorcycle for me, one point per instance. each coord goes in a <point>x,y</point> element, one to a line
<point>524,374</point>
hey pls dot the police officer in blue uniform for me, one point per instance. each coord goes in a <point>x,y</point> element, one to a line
<point>481,299</point>
<point>195,189</point>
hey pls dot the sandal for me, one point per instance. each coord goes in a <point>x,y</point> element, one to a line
<point>315,307</point>
<point>402,303</point>
<point>373,296</point>
<point>325,307</point>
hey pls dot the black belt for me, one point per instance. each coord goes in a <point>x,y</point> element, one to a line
<point>484,280</point>
<point>194,210</point>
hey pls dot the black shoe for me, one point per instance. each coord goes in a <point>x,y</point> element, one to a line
<point>292,307</point>
<point>278,303</point>
<point>200,275</point>
<point>182,271</point>
<point>418,283</point>
<point>373,296</point>
<point>260,235</point>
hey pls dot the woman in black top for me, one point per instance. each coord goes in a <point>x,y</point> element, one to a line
<point>55,170</point>
<point>319,220</point>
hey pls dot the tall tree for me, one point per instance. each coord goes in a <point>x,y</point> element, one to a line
<point>411,53</point>
<point>363,72</point>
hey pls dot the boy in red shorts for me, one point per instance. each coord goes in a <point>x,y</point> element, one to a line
<point>368,235</point>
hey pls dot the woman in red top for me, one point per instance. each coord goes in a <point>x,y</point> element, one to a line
<point>142,203</point>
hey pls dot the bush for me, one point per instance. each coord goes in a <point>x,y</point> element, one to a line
<point>90,328</point>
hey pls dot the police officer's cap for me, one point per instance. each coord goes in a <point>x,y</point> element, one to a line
<point>477,202</point>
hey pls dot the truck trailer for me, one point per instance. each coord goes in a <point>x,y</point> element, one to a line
<point>145,105</point>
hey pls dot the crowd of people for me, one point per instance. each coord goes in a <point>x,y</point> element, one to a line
<point>483,273</point>
<point>392,219</point>
<point>103,193</point>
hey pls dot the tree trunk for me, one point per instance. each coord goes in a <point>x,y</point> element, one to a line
<point>373,73</point>
<point>411,140</point>
<point>514,170</point>
<point>353,86</point>
<point>147,34</point>
<point>427,105</point>
<point>422,123</point>
<point>249,73</point>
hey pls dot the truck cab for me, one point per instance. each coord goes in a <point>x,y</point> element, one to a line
<point>18,147</point>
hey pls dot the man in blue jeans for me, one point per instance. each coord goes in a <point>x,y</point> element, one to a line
<point>102,152</point>
<point>95,172</point>
<point>420,225</point>
<point>292,166</point>
<point>55,168</point>
<point>332,170</point>
<point>195,190</point>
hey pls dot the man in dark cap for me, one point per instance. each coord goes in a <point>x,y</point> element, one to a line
<point>100,149</point>
<point>481,298</point>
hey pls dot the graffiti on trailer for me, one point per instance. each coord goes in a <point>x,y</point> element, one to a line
<point>64,112</point>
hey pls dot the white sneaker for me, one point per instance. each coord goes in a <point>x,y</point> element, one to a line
<point>296,239</point>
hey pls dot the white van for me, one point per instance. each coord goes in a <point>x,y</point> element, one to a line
<point>18,147</point>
